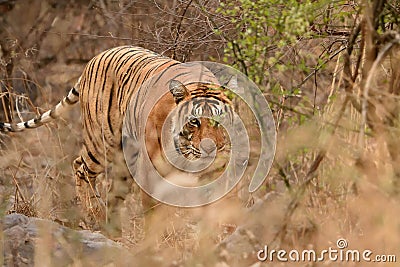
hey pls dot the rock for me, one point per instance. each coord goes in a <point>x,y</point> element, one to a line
<point>30,241</point>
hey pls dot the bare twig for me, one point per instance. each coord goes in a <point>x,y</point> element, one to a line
<point>318,67</point>
<point>300,190</point>
<point>364,104</point>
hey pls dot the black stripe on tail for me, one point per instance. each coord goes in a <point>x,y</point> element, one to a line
<point>52,114</point>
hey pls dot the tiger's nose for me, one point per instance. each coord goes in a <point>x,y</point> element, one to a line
<point>207,147</point>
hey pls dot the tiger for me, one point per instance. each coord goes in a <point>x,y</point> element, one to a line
<point>105,90</point>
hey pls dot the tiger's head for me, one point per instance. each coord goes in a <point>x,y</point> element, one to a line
<point>197,131</point>
<point>186,125</point>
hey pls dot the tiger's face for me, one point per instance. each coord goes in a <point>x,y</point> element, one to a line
<point>187,125</point>
<point>197,130</point>
<point>199,133</point>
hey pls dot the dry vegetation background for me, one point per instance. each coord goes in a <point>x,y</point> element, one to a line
<point>333,87</point>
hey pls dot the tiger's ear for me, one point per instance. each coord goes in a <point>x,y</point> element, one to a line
<point>178,90</point>
<point>233,85</point>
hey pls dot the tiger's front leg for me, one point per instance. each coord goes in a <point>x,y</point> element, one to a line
<point>125,210</point>
<point>122,215</point>
<point>88,198</point>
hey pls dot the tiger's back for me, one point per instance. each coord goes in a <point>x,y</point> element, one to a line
<point>106,87</point>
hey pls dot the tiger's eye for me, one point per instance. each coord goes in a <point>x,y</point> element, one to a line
<point>194,122</point>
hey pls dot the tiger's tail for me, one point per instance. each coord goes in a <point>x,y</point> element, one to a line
<point>52,114</point>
